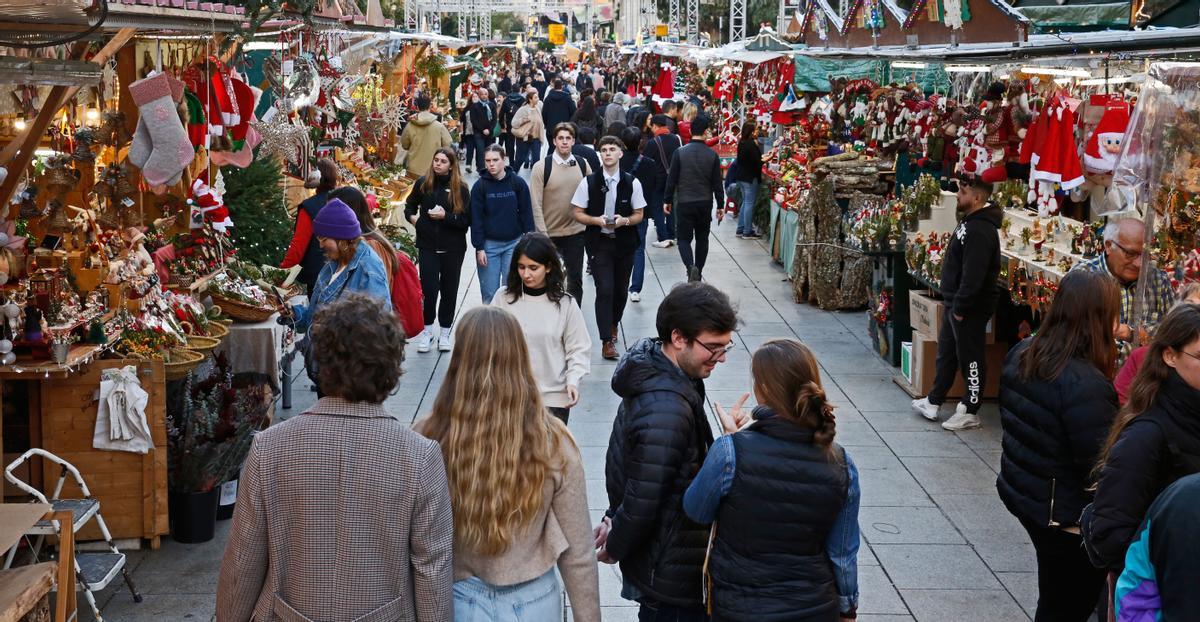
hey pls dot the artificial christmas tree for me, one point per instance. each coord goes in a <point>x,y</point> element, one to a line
<point>255,202</point>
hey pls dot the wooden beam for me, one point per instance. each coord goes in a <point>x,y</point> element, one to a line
<point>18,153</point>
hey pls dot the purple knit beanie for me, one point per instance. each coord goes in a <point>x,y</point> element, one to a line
<point>336,220</point>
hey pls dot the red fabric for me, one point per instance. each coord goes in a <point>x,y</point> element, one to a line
<point>685,131</point>
<point>407,299</point>
<point>300,238</point>
<point>1124,379</point>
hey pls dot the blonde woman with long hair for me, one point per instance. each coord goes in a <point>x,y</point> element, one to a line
<point>517,485</point>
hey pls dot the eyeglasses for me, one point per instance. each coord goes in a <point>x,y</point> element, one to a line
<point>1128,253</point>
<point>1197,357</point>
<point>716,350</point>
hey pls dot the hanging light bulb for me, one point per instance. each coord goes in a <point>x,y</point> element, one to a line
<point>20,125</point>
<point>93,116</point>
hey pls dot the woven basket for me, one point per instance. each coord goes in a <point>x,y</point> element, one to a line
<point>218,330</point>
<point>180,361</point>
<point>203,345</point>
<point>241,311</point>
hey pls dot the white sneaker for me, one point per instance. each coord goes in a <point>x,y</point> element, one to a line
<point>425,340</point>
<point>961,420</point>
<point>925,409</point>
<point>635,296</point>
<point>663,244</point>
<point>444,341</point>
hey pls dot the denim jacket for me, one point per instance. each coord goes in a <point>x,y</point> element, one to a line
<point>364,274</point>
<point>703,499</point>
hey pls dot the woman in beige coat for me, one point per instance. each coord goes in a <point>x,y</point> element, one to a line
<point>527,128</point>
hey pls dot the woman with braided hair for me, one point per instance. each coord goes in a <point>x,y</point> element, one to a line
<point>784,499</point>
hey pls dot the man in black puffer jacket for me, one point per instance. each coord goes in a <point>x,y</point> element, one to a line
<point>659,440</point>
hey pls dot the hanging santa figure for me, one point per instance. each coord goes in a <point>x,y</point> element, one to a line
<point>1104,146</point>
<point>208,205</point>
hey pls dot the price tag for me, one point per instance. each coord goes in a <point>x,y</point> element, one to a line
<point>229,492</point>
<point>127,202</point>
<point>286,67</point>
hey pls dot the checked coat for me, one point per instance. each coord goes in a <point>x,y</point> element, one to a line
<point>343,514</point>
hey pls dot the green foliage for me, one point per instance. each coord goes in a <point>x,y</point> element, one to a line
<point>432,66</point>
<point>262,228</point>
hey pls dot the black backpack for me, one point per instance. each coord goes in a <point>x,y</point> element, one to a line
<point>549,167</point>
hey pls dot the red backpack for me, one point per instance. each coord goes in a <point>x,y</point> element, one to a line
<point>407,298</point>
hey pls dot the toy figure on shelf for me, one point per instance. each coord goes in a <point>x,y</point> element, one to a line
<point>1026,236</point>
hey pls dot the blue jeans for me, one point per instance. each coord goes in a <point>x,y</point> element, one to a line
<point>664,224</point>
<point>746,211</point>
<point>527,153</point>
<point>481,143</point>
<point>491,276</point>
<point>639,258</point>
<point>536,600</point>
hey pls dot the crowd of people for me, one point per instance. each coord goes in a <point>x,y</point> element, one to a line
<point>470,513</point>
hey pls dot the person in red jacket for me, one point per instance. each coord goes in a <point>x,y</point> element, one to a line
<point>1188,294</point>
<point>304,251</point>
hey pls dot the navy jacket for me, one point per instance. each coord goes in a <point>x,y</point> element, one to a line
<point>500,210</point>
<point>557,108</point>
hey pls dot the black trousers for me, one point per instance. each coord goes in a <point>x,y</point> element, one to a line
<point>961,348</point>
<point>1068,585</point>
<point>693,220</point>
<point>571,249</point>
<point>439,276</point>
<point>509,143</point>
<point>561,412</point>
<point>611,270</point>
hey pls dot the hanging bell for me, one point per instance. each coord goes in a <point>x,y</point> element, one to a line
<point>29,208</point>
<point>58,221</point>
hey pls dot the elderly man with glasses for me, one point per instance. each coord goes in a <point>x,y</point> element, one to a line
<point>1124,246</point>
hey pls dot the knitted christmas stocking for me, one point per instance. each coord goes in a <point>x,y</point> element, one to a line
<point>170,149</point>
<point>141,147</point>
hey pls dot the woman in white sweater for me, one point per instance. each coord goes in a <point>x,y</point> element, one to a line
<point>559,343</point>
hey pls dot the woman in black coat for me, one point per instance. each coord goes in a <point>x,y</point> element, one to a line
<point>1057,403</point>
<point>1154,441</point>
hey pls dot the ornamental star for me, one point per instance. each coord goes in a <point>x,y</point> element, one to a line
<point>283,138</point>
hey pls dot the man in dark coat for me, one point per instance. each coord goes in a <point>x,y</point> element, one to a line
<point>659,440</point>
<point>558,105</point>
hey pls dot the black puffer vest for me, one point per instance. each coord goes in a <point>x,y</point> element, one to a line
<point>627,237</point>
<point>314,258</point>
<point>768,562</point>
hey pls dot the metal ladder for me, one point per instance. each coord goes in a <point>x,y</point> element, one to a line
<point>93,570</point>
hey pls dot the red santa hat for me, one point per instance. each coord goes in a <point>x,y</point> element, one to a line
<point>995,174</point>
<point>1104,145</point>
<point>664,88</point>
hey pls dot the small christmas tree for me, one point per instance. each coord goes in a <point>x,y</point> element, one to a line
<point>262,228</point>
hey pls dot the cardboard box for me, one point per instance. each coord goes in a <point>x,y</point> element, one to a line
<point>906,351</point>
<point>926,314</point>
<point>924,359</point>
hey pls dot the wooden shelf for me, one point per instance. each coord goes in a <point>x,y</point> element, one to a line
<point>38,370</point>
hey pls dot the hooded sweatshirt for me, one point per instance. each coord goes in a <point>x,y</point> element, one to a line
<point>557,108</point>
<point>972,264</point>
<point>500,209</point>
<point>423,136</point>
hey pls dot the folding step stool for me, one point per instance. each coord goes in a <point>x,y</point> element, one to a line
<point>93,570</point>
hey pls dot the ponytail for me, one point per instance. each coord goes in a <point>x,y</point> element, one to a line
<point>788,380</point>
<point>812,410</point>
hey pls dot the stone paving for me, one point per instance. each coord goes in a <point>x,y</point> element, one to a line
<point>938,543</point>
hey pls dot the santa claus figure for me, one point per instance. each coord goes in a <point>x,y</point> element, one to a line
<point>208,205</point>
<point>1104,145</point>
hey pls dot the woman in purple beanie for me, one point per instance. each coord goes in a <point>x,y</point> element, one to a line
<point>350,267</point>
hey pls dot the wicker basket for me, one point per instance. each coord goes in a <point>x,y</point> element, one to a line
<point>203,345</point>
<point>180,361</point>
<point>241,311</point>
<point>218,330</point>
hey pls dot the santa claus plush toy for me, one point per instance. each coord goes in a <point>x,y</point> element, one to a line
<point>207,205</point>
<point>1104,146</point>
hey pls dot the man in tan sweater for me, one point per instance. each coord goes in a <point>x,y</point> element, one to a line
<point>551,185</point>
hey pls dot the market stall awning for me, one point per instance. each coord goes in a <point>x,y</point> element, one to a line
<point>1059,17</point>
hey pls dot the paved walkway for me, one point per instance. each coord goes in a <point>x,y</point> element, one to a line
<point>938,544</point>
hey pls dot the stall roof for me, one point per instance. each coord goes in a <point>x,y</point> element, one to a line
<point>1160,41</point>
<point>429,37</point>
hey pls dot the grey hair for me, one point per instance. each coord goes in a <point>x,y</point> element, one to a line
<point>1114,226</point>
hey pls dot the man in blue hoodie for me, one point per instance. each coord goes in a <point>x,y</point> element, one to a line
<point>557,106</point>
<point>501,212</point>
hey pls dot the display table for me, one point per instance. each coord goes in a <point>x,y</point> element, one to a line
<point>781,237</point>
<point>262,347</point>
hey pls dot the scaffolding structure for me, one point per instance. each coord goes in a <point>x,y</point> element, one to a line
<point>737,19</point>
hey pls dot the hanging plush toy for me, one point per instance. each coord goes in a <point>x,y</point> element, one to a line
<point>208,205</point>
<point>1104,145</point>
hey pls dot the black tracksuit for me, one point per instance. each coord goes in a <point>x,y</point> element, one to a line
<point>969,272</point>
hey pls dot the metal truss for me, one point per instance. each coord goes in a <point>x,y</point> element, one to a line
<point>693,22</point>
<point>674,24</point>
<point>737,19</point>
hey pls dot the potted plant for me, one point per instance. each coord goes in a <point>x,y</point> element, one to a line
<point>207,442</point>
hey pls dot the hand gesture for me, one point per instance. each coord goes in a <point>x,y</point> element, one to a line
<point>733,420</point>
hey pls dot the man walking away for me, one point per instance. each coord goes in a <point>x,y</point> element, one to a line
<point>693,184</point>
<point>388,551</point>
<point>969,272</point>
<point>423,136</point>
<point>642,169</point>
<point>661,149</point>
<point>659,440</point>
<point>500,214</point>
<point>557,105</point>
<point>508,109</point>
<point>611,204</point>
<point>552,185</point>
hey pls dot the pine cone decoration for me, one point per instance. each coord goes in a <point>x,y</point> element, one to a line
<point>84,138</point>
<point>112,130</point>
